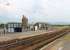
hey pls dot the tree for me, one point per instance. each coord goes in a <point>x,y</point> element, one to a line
<point>1,25</point>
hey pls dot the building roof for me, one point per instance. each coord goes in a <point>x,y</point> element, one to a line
<point>14,23</point>
<point>40,23</point>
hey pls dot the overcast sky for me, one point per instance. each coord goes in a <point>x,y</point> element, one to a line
<point>52,11</point>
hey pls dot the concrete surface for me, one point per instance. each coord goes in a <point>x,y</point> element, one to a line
<point>62,43</point>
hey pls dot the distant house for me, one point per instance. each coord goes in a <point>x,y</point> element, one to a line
<point>14,27</point>
<point>40,26</point>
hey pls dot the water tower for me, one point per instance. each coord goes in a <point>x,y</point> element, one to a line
<point>24,22</point>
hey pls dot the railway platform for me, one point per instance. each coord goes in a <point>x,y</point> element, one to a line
<point>62,43</point>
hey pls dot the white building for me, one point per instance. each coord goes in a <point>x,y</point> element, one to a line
<point>41,26</point>
<point>14,27</point>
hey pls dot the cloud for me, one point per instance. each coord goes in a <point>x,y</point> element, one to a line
<point>52,11</point>
<point>7,11</point>
<point>45,10</point>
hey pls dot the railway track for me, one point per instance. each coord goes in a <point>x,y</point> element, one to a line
<point>34,42</point>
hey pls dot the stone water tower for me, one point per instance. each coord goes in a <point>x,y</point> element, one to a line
<point>24,22</point>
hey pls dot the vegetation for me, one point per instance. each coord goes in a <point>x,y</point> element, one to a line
<point>1,25</point>
<point>60,25</point>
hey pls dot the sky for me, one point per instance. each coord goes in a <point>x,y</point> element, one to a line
<point>51,11</point>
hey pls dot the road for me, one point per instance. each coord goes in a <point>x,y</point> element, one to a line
<point>62,43</point>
